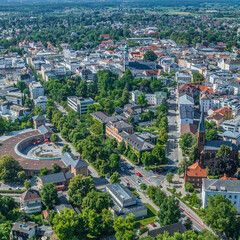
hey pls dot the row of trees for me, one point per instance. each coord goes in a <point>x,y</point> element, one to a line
<point>169,212</point>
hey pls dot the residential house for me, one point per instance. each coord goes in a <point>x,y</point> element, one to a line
<point>113,129</point>
<point>31,230</point>
<point>31,201</point>
<point>41,102</point>
<point>186,114</point>
<point>206,102</point>
<point>233,137</point>
<point>228,188</point>
<point>232,125</point>
<point>132,110</point>
<point>189,128</point>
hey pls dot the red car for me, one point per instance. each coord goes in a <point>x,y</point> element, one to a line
<point>61,188</point>
<point>152,224</point>
<point>139,174</point>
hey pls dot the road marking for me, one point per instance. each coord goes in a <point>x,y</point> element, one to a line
<point>144,177</point>
<point>192,218</point>
<point>128,181</point>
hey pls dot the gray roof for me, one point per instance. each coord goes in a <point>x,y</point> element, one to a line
<point>186,100</point>
<point>140,65</point>
<point>30,194</point>
<point>171,229</point>
<point>25,227</point>
<point>63,203</point>
<point>120,125</point>
<point>102,117</point>
<point>186,111</point>
<point>233,135</point>
<point>137,142</point>
<point>38,117</point>
<point>121,193</point>
<point>214,145</point>
<point>70,160</point>
<point>44,129</point>
<point>53,178</point>
<point>218,185</point>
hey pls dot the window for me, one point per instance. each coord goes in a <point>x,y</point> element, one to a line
<point>198,184</point>
<point>230,196</point>
<point>235,203</point>
<point>235,196</point>
<point>198,179</point>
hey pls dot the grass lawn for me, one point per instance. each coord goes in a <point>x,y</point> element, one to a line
<point>151,216</point>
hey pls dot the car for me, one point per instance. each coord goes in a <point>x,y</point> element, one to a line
<point>18,188</point>
<point>139,174</point>
<point>9,188</point>
<point>159,171</point>
<point>152,224</point>
<point>139,182</point>
<point>129,166</point>
<point>165,169</point>
<point>172,169</point>
<point>176,160</point>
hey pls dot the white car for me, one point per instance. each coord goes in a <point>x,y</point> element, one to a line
<point>139,182</point>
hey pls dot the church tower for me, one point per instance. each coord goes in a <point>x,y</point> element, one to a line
<point>126,61</point>
<point>201,133</point>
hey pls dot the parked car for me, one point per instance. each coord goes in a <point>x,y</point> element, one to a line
<point>152,224</point>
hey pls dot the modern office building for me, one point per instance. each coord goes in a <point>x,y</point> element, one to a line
<point>36,90</point>
<point>79,104</point>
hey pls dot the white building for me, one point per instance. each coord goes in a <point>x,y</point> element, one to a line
<point>153,99</point>
<point>229,188</point>
<point>206,102</point>
<point>79,104</point>
<point>41,102</point>
<point>232,125</point>
<point>36,90</point>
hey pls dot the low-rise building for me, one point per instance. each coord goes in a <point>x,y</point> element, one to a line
<point>229,188</point>
<point>233,137</point>
<point>31,201</point>
<point>36,90</point>
<point>79,105</point>
<point>38,121</point>
<point>195,174</point>
<point>125,202</point>
<point>31,230</point>
<point>41,102</point>
<point>113,129</point>
<point>15,97</point>
<point>232,125</point>
<point>153,99</point>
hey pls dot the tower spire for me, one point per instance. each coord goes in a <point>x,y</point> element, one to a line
<point>201,125</point>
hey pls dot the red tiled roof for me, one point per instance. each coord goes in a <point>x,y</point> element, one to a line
<point>196,170</point>
<point>224,177</point>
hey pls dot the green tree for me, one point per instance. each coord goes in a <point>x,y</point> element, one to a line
<point>21,85</point>
<point>211,135</point>
<point>184,164</point>
<point>56,168</point>
<point>81,90</point>
<point>147,159</point>
<point>124,228</point>
<point>122,147</point>
<point>189,187</point>
<point>21,176</point>
<point>197,77</point>
<point>49,195</point>
<point>169,177</point>
<point>115,178</point>
<point>143,186</point>
<point>169,212</point>
<point>9,168</point>
<point>142,100</point>
<point>185,141</point>
<point>66,148</point>
<point>43,171</point>
<point>188,224</point>
<point>97,201</point>
<point>54,138</point>
<point>68,225</point>
<point>79,187</point>
<point>159,153</point>
<point>38,111</point>
<point>224,151</point>
<point>97,128</point>
<point>220,215</point>
<point>27,184</point>
<point>150,56</point>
